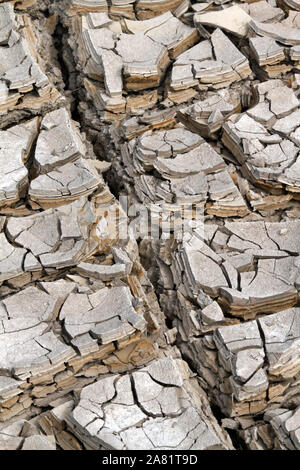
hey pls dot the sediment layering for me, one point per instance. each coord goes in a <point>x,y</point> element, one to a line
<point>125,332</point>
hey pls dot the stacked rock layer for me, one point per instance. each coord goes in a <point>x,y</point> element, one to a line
<point>149,171</point>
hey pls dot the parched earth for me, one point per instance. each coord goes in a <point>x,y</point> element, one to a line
<point>149,224</point>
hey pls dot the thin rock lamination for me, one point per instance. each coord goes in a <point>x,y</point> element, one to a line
<point>66,332</point>
<point>265,32</point>
<point>133,9</point>
<point>24,87</point>
<point>211,64</point>
<point>187,171</point>
<point>88,362</point>
<point>26,435</point>
<point>48,241</point>
<point>84,313</point>
<point>248,267</point>
<point>128,58</point>
<point>264,139</point>
<point>157,407</point>
<point>278,431</point>
<point>60,170</point>
<point>207,117</point>
<point>67,174</point>
<point>257,364</point>
<point>214,284</point>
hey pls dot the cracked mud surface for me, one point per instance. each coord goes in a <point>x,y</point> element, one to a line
<point>112,336</point>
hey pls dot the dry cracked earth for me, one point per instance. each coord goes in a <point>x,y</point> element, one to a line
<point>116,338</point>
